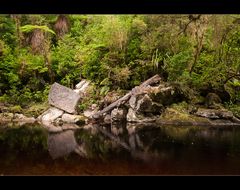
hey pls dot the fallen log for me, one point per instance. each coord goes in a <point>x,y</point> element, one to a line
<point>124,99</point>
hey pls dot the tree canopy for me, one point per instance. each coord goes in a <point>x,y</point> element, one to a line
<point>201,52</point>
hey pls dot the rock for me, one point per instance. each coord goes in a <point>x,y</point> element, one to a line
<point>146,105</point>
<point>166,94</point>
<point>63,98</point>
<point>88,113</point>
<point>21,117</point>
<point>51,114</point>
<point>94,106</point>
<point>212,100</point>
<point>3,108</point>
<point>61,144</point>
<point>132,116</point>
<point>6,116</point>
<point>81,88</point>
<point>51,128</point>
<point>107,119</point>
<point>118,114</point>
<point>82,84</point>
<point>81,150</point>
<point>58,121</point>
<point>214,114</point>
<point>68,118</point>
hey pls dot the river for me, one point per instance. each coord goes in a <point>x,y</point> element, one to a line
<point>119,149</point>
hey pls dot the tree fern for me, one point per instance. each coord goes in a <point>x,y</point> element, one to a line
<point>30,28</point>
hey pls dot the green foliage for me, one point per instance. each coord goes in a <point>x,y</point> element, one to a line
<point>30,28</point>
<point>118,52</point>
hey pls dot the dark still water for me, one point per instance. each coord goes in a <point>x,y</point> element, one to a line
<point>120,150</point>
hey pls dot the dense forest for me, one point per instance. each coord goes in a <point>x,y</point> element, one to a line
<point>117,52</point>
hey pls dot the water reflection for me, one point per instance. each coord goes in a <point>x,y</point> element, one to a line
<point>171,146</point>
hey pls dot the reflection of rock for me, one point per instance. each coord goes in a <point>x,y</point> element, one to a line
<point>81,150</point>
<point>63,98</point>
<point>51,114</point>
<point>116,129</point>
<point>69,126</point>
<point>61,144</point>
<point>51,128</point>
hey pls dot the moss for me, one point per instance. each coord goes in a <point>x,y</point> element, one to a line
<point>15,109</point>
<point>180,112</point>
<point>36,109</point>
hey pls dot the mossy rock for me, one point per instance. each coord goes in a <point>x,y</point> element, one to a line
<point>15,109</point>
<point>213,101</point>
<point>35,110</point>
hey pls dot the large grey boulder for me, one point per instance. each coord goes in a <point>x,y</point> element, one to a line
<point>63,98</point>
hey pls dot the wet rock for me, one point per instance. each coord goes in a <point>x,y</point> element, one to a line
<point>63,98</point>
<point>68,126</point>
<point>69,118</point>
<point>118,114</point>
<point>51,114</point>
<point>51,127</point>
<point>214,114</point>
<point>61,144</point>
